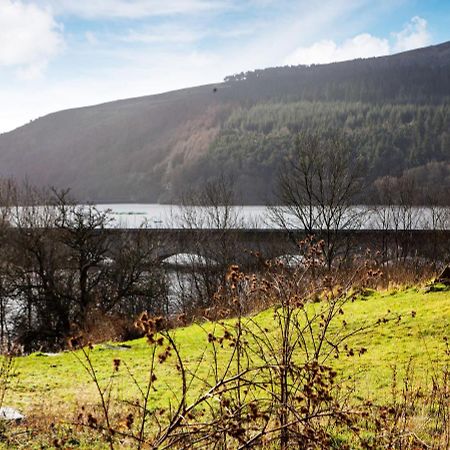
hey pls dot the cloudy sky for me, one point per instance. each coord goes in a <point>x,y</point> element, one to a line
<point>58,54</point>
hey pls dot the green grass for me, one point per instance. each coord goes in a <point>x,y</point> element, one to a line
<point>58,385</point>
<point>418,337</point>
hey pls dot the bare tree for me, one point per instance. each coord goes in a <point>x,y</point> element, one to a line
<point>82,229</point>
<point>317,187</point>
<point>438,220</point>
<point>64,269</point>
<point>211,207</point>
<point>396,215</point>
<point>41,314</point>
<point>134,280</point>
<point>8,192</point>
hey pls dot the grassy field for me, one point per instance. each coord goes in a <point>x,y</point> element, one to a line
<point>57,386</point>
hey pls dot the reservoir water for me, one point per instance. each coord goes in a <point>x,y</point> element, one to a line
<point>136,215</point>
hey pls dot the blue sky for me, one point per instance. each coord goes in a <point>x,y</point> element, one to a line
<point>58,54</point>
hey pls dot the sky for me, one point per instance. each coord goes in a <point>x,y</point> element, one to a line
<point>60,54</point>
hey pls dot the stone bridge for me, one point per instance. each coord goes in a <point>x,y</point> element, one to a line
<point>239,244</point>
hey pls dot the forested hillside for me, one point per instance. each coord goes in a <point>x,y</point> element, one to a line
<point>389,138</point>
<point>395,111</point>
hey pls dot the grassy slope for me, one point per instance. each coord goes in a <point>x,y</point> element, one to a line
<point>58,384</point>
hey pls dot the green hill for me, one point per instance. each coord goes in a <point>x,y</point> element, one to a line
<point>395,109</point>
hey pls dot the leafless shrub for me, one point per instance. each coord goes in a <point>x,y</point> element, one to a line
<point>267,385</point>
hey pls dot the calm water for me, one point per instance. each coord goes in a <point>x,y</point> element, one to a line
<point>135,215</point>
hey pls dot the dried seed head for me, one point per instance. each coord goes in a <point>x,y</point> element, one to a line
<point>76,342</point>
<point>116,363</point>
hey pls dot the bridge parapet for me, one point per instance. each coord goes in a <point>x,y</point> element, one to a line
<point>242,243</point>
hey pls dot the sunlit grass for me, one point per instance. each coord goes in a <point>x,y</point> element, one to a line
<point>59,384</point>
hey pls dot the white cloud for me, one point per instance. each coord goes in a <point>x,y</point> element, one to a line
<point>163,34</point>
<point>29,37</point>
<point>414,35</point>
<point>132,9</point>
<point>325,51</point>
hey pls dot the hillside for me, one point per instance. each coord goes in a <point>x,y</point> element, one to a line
<point>419,337</point>
<point>411,348</point>
<point>147,149</point>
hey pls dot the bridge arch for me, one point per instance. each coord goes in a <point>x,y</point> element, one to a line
<point>187,260</point>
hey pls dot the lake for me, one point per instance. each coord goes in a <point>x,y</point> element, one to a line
<point>136,215</point>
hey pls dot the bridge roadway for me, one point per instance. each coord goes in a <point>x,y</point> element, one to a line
<point>271,243</point>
